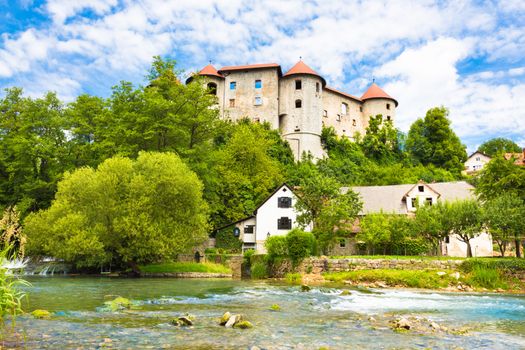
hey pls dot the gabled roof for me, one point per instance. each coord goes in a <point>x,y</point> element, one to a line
<point>419,183</point>
<point>302,68</point>
<point>210,70</point>
<point>391,199</point>
<point>329,88</point>
<point>251,66</point>
<point>476,152</point>
<point>374,91</point>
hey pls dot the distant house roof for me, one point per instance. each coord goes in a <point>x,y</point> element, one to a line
<point>519,158</point>
<point>391,199</point>
<point>478,152</point>
<point>329,88</point>
<point>302,68</point>
<point>374,91</point>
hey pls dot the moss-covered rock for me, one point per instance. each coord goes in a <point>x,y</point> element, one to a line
<point>119,303</point>
<point>346,292</point>
<point>275,307</point>
<point>243,325</point>
<point>225,318</point>
<point>41,314</point>
<point>305,288</point>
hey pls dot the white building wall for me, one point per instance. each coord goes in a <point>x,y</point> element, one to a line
<point>420,196</point>
<point>476,162</point>
<point>373,107</point>
<point>481,245</point>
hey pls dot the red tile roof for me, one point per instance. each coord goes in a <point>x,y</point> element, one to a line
<point>375,91</point>
<point>519,158</point>
<point>210,70</point>
<point>342,93</point>
<point>301,68</point>
<point>250,66</point>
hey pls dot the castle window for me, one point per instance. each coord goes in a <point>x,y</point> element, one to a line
<point>317,87</point>
<point>298,103</point>
<point>354,122</point>
<point>212,88</point>
<point>325,113</point>
<point>388,106</point>
<point>344,108</point>
<point>258,84</point>
<point>338,118</point>
<point>360,108</point>
<point>388,118</point>
<point>258,101</point>
<point>284,223</point>
<point>233,85</point>
<point>298,85</point>
<point>232,102</point>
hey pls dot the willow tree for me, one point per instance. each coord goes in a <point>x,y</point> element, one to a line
<point>126,212</point>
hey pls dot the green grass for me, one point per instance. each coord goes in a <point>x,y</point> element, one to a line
<point>490,278</point>
<point>259,270</point>
<point>406,278</point>
<point>293,278</point>
<point>174,267</point>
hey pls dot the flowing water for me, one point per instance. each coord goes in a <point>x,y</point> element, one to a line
<point>307,320</point>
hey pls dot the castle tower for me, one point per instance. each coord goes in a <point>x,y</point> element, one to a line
<point>376,101</point>
<point>300,110</point>
<point>214,82</point>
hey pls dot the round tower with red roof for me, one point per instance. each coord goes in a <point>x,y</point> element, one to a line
<point>300,108</point>
<point>376,101</point>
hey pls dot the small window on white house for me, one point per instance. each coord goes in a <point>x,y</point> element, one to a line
<point>447,239</point>
<point>413,202</point>
<point>284,223</point>
<point>258,101</point>
<point>298,104</point>
<point>421,188</point>
<point>388,118</point>
<point>249,229</point>
<point>284,202</point>
<point>258,84</point>
<point>478,159</point>
<point>429,201</point>
<point>344,108</point>
<point>388,106</point>
<point>298,85</point>
<point>325,113</point>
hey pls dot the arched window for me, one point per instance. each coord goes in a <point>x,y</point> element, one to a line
<point>298,103</point>
<point>212,88</point>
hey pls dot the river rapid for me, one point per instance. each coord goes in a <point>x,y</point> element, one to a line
<point>318,318</point>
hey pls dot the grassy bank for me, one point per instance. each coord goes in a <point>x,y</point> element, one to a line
<point>175,267</point>
<point>397,257</point>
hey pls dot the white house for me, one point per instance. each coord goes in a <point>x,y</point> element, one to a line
<point>476,161</point>
<point>276,216</point>
<point>403,200</point>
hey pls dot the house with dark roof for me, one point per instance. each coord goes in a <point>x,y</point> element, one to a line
<point>298,103</point>
<point>475,162</point>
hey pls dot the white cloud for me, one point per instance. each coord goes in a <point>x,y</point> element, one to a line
<point>61,10</point>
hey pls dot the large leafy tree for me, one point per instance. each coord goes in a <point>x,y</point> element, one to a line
<point>381,140</point>
<point>500,176</point>
<point>123,213</point>
<point>504,217</point>
<point>429,224</point>
<point>498,145</point>
<point>375,230</point>
<point>32,149</point>
<point>432,141</point>
<point>464,218</point>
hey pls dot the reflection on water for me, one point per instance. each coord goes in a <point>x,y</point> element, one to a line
<point>308,320</point>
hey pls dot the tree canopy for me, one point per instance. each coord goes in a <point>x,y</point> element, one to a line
<point>125,212</point>
<point>497,146</point>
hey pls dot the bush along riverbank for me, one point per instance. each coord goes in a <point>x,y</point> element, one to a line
<point>186,270</point>
<point>468,275</point>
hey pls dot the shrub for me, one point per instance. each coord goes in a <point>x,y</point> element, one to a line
<point>276,246</point>
<point>300,244</point>
<point>486,278</point>
<point>226,241</point>
<point>293,278</point>
<point>259,270</point>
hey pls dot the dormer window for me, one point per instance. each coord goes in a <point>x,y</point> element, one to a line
<point>298,85</point>
<point>298,103</point>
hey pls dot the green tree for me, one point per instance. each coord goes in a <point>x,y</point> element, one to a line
<point>375,230</point>
<point>381,139</point>
<point>497,146</point>
<point>125,213</point>
<point>500,176</point>
<point>464,218</point>
<point>429,224</point>
<point>504,219</point>
<point>432,141</point>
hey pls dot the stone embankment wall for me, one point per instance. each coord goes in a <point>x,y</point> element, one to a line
<point>187,275</point>
<point>320,264</point>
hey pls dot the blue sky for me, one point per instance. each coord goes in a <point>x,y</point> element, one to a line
<point>466,55</point>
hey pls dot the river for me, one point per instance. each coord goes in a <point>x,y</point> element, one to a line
<point>315,319</point>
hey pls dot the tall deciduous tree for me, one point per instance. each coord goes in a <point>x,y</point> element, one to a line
<point>498,145</point>
<point>381,139</point>
<point>375,229</point>
<point>125,213</point>
<point>463,218</point>
<point>432,141</point>
<point>500,176</point>
<point>504,216</point>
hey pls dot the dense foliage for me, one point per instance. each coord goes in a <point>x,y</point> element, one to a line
<point>497,146</point>
<point>123,213</point>
<point>296,246</point>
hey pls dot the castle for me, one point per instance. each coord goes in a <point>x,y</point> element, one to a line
<point>298,103</point>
